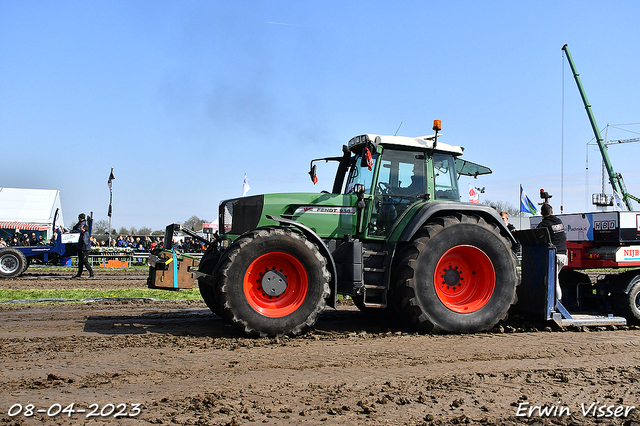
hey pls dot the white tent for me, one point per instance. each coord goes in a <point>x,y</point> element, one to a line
<point>30,209</point>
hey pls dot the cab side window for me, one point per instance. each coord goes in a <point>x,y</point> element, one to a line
<point>445,179</point>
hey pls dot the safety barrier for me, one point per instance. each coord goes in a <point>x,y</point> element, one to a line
<point>120,260</point>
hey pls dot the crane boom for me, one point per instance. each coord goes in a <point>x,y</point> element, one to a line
<point>617,183</point>
<point>611,142</point>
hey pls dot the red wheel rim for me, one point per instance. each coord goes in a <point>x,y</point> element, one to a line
<point>295,276</point>
<point>464,279</point>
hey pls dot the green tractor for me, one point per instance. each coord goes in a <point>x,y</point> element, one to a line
<point>392,235</point>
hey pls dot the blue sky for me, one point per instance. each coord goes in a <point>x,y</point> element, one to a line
<point>182,98</point>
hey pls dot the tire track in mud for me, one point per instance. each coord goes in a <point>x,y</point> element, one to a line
<point>187,366</point>
<point>465,398</point>
<point>327,389</point>
<point>473,397</point>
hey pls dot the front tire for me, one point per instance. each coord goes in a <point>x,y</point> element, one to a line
<point>12,262</point>
<point>272,282</point>
<point>457,275</point>
<point>207,290</point>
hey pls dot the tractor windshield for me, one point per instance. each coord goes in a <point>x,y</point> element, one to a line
<point>361,173</point>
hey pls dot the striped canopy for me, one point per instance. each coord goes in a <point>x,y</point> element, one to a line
<point>24,226</point>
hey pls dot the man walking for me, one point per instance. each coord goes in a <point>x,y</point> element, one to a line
<point>84,245</point>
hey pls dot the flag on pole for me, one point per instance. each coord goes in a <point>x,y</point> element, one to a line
<point>474,196</point>
<point>111,178</point>
<point>617,202</point>
<point>245,186</point>
<point>525,203</point>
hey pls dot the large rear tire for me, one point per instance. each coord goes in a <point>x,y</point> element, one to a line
<point>457,275</point>
<point>12,263</point>
<point>272,282</point>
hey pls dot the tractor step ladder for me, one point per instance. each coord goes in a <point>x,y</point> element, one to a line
<point>375,292</point>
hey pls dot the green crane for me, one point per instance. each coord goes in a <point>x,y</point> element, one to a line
<point>617,182</point>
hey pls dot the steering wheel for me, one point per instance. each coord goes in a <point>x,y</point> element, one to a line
<point>383,188</point>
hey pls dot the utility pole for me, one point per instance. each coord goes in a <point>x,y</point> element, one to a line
<point>111,178</point>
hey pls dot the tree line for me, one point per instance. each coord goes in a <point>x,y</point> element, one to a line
<point>504,206</point>
<point>101,227</point>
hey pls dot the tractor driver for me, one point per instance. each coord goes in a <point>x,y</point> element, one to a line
<point>417,183</point>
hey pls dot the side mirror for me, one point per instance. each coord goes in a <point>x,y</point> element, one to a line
<point>367,156</point>
<point>312,174</point>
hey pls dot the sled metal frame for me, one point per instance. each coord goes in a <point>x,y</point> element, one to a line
<point>537,292</point>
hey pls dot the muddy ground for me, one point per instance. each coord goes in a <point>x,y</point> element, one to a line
<point>159,362</point>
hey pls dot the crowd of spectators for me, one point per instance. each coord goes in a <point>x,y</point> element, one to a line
<point>189,245</point>
<point>20,239</point>
<point>146,244</point>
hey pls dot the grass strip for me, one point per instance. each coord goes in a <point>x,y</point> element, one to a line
<point>82,293</point>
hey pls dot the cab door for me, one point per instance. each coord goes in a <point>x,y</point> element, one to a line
<point>400,183</point>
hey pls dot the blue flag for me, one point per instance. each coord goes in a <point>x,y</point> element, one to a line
<point>525,203</point>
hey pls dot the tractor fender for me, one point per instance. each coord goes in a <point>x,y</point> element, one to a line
<point>436,209</point>
<point>324,250</point>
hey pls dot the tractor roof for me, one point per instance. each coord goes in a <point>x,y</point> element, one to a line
<point>420,142</point>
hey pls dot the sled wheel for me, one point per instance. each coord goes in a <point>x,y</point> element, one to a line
<point>570,279</point>
<point>464,279</point>
<point>628,304</point>
<point>12,262</point>
<point>271,282</point>
<point>457,275</point>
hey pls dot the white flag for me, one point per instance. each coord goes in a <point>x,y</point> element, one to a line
<point>474,196</point>
<point>245,186</point>
<point>618,205</point>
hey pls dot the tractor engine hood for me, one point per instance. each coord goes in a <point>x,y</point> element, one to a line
<point>329,215</point>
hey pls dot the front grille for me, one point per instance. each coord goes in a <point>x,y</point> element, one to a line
<point>239,215</point>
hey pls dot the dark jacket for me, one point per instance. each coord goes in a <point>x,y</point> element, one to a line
<point>84,242</point>
<point>77,226</point>
<point>556,230</point>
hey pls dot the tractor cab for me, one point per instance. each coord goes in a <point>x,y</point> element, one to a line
<point>394,174</point>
